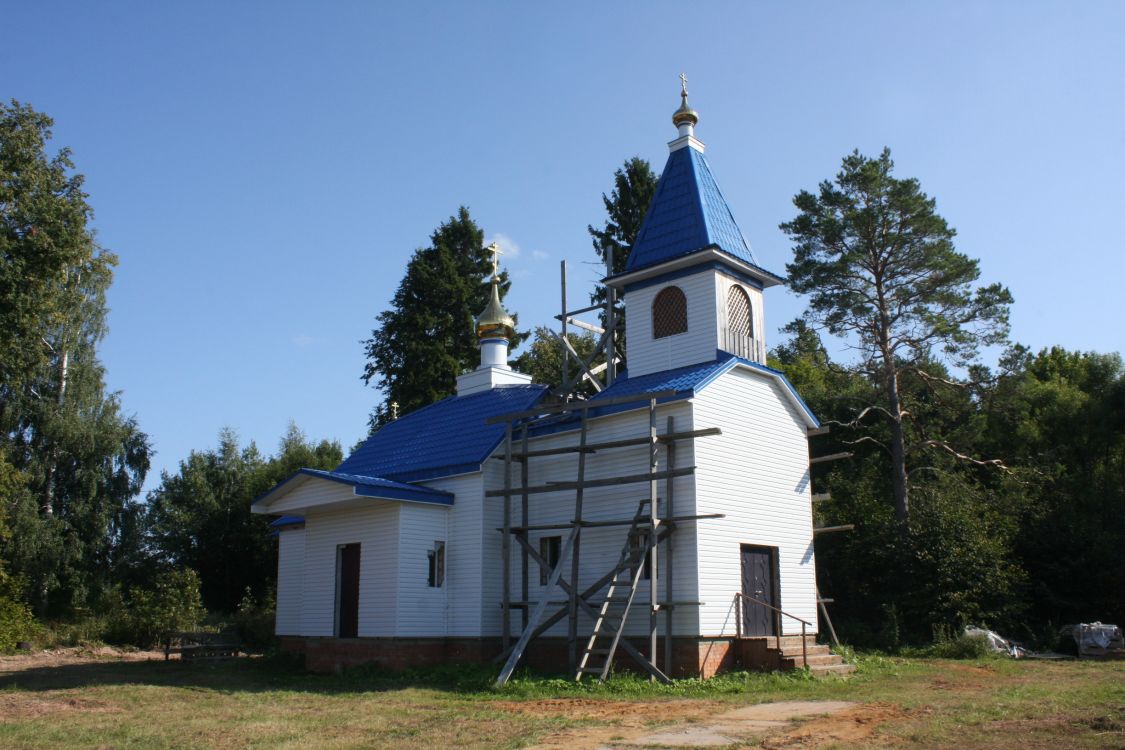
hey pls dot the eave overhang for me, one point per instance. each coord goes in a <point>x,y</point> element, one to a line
<point>710,254</point>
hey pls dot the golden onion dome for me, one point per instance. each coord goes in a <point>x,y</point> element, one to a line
<point>494,321</point>
<point>685,115</point>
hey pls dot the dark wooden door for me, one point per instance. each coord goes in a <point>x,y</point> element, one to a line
<point>759,580</point>
<point>347,624</point>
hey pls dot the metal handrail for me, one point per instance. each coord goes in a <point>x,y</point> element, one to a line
<point>777,642</point>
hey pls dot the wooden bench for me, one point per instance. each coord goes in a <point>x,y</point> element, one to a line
<point>195,646</point>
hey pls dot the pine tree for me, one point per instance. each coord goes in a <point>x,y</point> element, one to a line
<point>427,338</point>
<point>880,268</point>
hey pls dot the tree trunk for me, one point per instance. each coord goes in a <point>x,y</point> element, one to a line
<point>898,448</point>
<point>52,468</point>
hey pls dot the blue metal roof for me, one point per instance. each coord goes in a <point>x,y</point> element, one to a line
<point>688,213</point>
<point>442,439</point>
<point>286,521</point>
<point>685,381</point>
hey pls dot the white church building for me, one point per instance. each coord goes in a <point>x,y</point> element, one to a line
<point>664,524</point>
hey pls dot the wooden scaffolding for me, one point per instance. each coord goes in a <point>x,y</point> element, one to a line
<point>649,534</point>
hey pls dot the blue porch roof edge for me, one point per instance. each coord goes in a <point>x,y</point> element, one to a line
<point>373,487</point>
<point>286,521</point>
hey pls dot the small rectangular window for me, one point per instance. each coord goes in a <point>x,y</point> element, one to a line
<point>636,543</point>
<point>437,565</point>
<point>549,547</point>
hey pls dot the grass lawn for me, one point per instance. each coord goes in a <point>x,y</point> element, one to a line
<point>107,701</point>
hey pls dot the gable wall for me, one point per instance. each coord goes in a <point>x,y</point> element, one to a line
<point>757,473</point>
<point>311,491</point>
<point>375,528</point>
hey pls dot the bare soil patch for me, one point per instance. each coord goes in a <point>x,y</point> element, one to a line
<point>848,727</point>
<point>711,724</point>
<point>23,706</point>
<point>73,655</point>
<point>626,713</point>
<point>969,669</point>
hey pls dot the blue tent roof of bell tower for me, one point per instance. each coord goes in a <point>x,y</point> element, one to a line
<point>688,213</point>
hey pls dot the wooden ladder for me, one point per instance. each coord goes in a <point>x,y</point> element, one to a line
<point>610,622</point>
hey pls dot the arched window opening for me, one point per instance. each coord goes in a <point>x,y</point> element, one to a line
<point>739,317</point>
<point>669,313</point>
<point>738,338</point>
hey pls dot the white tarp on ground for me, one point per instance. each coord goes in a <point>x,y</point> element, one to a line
<point>998,643</point>
<point>1097,638</point>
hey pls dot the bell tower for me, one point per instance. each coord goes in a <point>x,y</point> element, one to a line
<point>692,285</point>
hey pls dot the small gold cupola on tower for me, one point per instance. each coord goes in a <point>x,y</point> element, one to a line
<point>495,327</point>
<point>685,118</point>
<point>496,330</point>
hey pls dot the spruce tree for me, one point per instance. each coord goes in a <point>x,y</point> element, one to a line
<point>427,338</point>
<point>633,187</point>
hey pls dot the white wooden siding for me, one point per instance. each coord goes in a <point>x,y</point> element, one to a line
<point>421,607</point>
<point>698,344</point>
<point>601,547</point>
<point>375,529</point>
<point>491,543</point>
<point>464,566</point>
<point>757,473</point>
<point>290,564</point>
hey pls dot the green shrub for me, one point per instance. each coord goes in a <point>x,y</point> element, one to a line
<point>90,630</point>
<point>962,647</point>
<point>255,621</point>
<point>174,605</point>
<point>16,623</point>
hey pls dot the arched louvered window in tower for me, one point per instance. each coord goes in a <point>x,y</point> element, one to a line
<point>739,336</point>
<point>739,317</point>
<point>669,313</point>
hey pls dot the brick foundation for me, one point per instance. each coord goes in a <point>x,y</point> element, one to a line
<point>691,657</point>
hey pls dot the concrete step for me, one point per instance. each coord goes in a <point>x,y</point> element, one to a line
<point>791,641</point>
<point>811,649</point>
<point>795,662</point>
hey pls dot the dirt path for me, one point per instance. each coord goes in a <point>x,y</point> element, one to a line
<point>694,724</point>
<point>74,655</point>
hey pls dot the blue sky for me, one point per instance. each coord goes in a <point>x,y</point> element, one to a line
<point>264,170</point>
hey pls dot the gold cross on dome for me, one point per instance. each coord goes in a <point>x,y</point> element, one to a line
<point>496,253</point>
<point>683,83</point>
